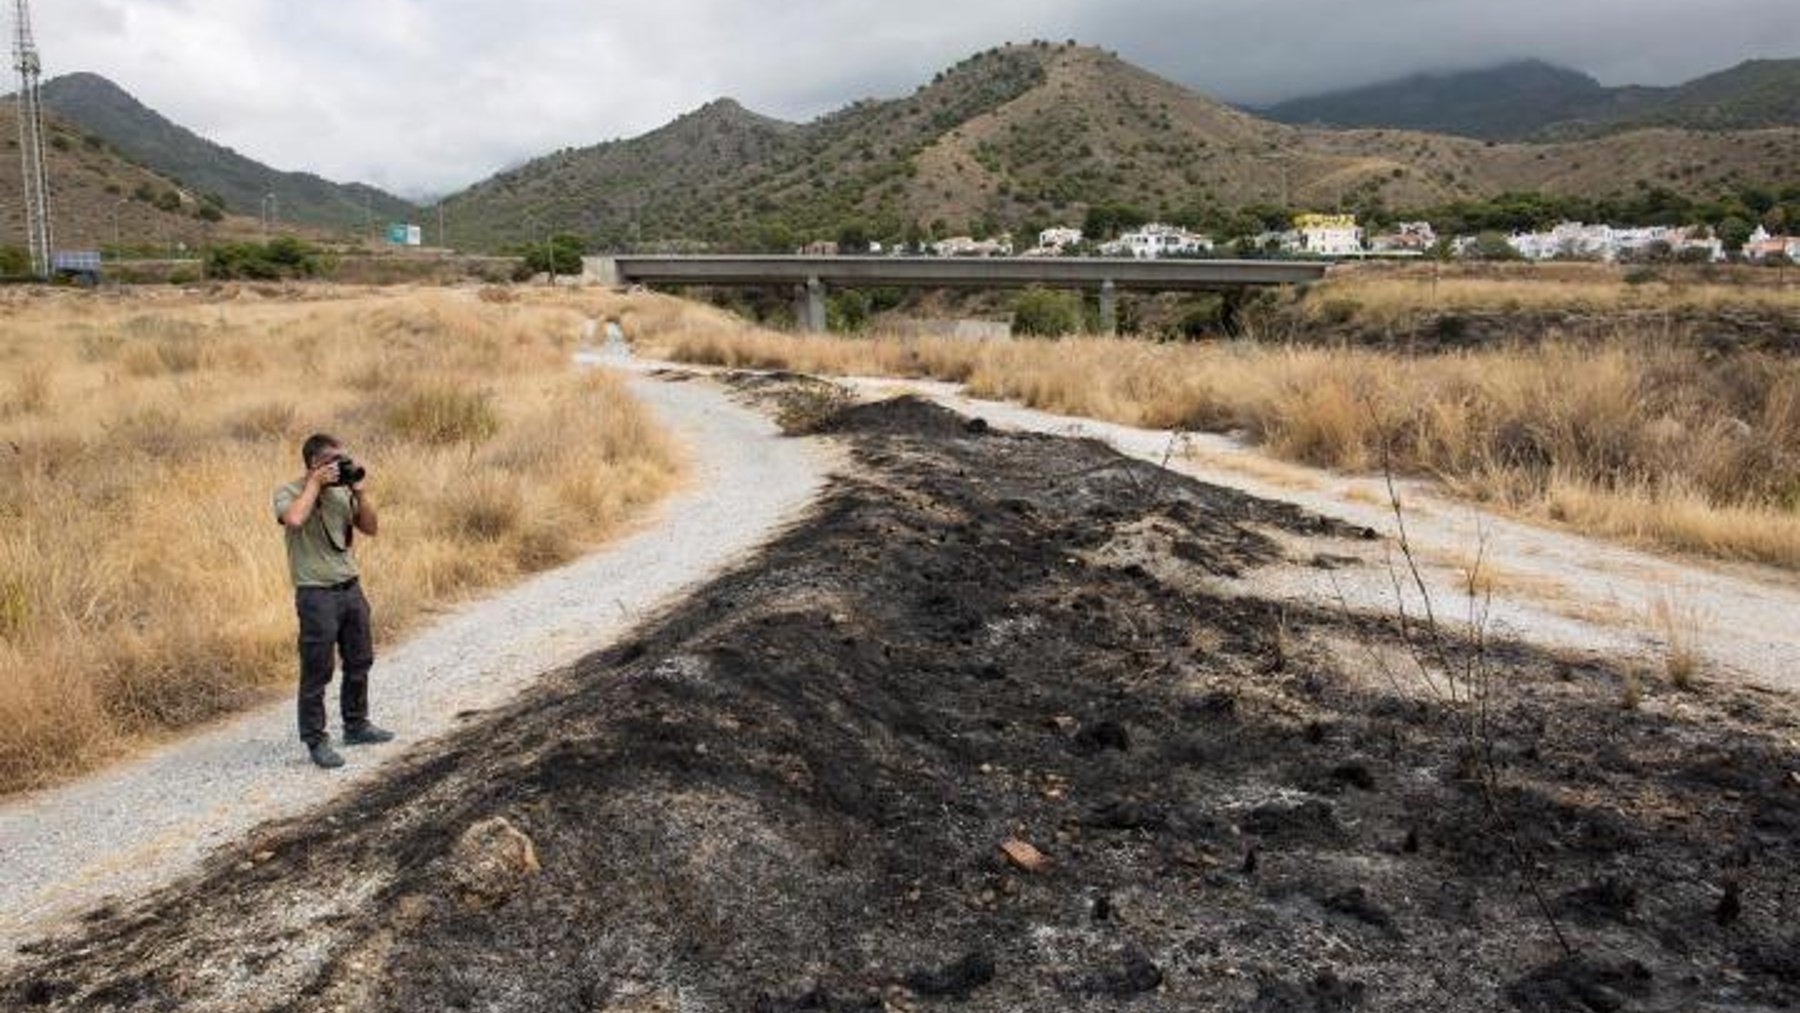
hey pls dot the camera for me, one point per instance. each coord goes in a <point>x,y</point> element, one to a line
<point>349,472</point>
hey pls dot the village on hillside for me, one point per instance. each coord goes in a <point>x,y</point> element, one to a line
<point>1339,236</point>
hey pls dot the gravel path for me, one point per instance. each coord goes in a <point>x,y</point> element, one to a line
<point>148,821</point>
<point>1550,587</point>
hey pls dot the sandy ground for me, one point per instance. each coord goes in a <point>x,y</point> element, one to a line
<point>149,821</point>
<point>1551,588</point>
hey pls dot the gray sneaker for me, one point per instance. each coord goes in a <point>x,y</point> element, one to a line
<point>366,735</point>
<point>325,756</point>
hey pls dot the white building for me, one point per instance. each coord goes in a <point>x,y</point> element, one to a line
<point>1761,246</point>
<point>1329,235</point>
<point>1578,241</point>
<point>1058,237</point>
<point>1569,240</point>
<point>1407,237</point>
<point>968,246</point>
<point>1158,240</point>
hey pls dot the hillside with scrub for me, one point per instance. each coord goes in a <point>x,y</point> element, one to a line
<point>1025,136</point>
<point>101,198</point>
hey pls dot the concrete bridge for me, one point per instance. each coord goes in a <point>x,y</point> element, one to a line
<point>812,276</point>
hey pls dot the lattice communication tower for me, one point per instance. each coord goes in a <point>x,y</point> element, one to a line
<point>31,140</point>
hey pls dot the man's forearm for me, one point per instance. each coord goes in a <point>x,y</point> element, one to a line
<point>365,520</point>
<point>302,507</point>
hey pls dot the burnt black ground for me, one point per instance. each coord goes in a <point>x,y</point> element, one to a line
<point>789,794</point>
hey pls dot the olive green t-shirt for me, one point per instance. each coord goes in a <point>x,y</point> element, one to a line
<point>313,549</point>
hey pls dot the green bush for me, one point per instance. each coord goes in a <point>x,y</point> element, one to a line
<point>1201,317</point>
<point>847,311</point>
<point>1047,313</point>
<point>564,251</point>
<point>14,261</point>
<point>283,257</point>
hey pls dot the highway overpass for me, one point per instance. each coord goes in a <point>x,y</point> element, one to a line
<point>813,276</point>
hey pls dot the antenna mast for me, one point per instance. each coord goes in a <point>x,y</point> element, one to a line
<point>31,140</point>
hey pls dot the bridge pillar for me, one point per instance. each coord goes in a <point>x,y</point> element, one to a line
<point>1109,308</point>
<point>815,306</point>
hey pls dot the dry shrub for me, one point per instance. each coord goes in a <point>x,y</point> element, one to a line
<point>482,508</point>
<point>140,360</point>
<point>31,387</point>
<point>267,420</point>
<point>143,586</point>
<point>804,409</point>
<point>444,412</point>
<point>1682,625</point>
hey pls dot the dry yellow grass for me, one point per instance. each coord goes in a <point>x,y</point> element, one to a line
<point>1646,441</point>
<point>143,586</point>
<point>1682,625</point>
<point>1384,292</point>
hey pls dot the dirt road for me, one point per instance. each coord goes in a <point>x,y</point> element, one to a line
<point>146,822</point>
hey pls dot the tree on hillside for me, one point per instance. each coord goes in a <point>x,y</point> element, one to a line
<point>563,252</point>
<point>1106,221</point>
<point>853,239</point>
<point>1493,246</point>
<point>1734,232</point>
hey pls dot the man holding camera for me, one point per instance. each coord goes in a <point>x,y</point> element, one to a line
<point>321,515</point>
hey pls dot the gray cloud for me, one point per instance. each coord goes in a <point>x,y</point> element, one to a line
<point>429,95</point>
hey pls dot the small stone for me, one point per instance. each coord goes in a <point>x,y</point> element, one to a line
<point>245,866</point>
<point>262,856</point>
<point>1023,855</point>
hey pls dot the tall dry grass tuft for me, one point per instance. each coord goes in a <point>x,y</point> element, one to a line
<point>143,586</point>
<point>1634,438</point>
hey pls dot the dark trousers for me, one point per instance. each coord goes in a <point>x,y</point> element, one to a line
<point>333,621</point>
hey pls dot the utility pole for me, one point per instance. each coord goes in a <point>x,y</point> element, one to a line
<point>31,140</point>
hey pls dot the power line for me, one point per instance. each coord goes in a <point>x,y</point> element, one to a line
<point>31,140</point>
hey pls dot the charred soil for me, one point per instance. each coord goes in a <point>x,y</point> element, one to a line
<point>981,734</point>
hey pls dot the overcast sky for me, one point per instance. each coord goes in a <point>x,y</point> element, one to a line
<point>426,96</point>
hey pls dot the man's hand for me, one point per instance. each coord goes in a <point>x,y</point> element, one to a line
<point>324,475</point>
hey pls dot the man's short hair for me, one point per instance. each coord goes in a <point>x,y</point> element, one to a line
<point>317,444</point>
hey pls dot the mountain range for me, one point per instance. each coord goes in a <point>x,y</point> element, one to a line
<point>1532,99</point>
<point>1025,135</point>
<point>103,109</point>
<point>1014,138</point>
